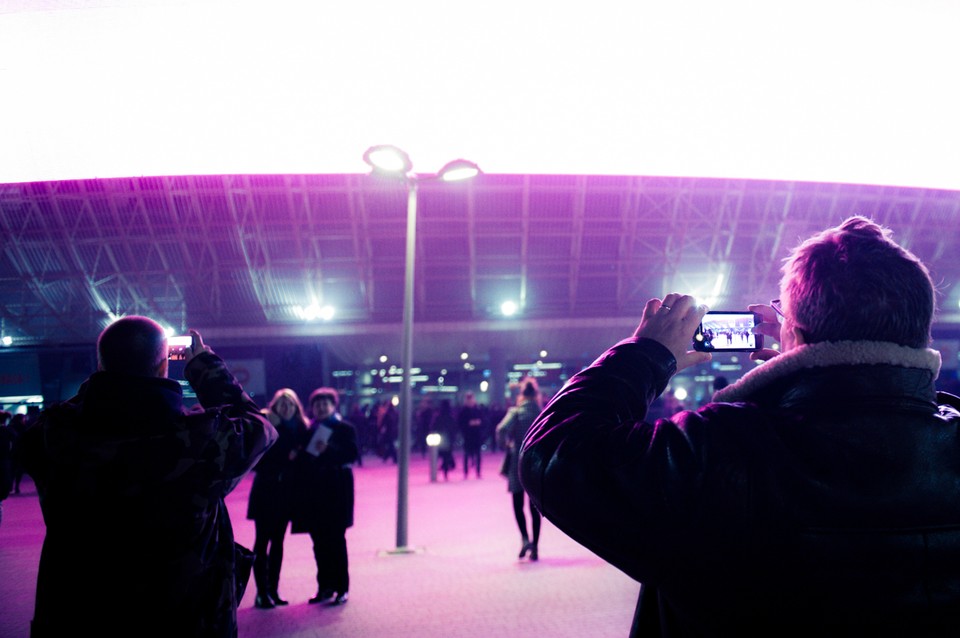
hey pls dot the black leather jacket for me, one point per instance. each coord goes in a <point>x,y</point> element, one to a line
<point>819,495</point>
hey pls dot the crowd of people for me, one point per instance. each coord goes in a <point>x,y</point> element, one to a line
<point>11,470</point>
<point>132,484</point>
<point>816,495</point>
<point>467,426</point>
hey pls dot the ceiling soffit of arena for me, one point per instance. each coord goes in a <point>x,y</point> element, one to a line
<point>239,256</point>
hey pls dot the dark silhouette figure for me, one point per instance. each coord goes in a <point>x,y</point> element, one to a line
<point>131,484</point>
<point>388,428</point>
<point>472,422</point>
<point>7,438</point>
<point>445,425</point>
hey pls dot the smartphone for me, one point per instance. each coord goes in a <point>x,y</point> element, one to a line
<point>728,331</point>
<point>177,347</point>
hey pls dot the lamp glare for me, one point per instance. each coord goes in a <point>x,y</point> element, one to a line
<point>388,159</point>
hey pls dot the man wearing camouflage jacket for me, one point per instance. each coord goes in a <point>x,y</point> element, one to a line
<point>131,484</point>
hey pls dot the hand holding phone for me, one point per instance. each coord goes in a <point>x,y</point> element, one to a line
<point>728,331</point>
<point>177,347</point>
<point>185,347</point>
<point>671,322</point>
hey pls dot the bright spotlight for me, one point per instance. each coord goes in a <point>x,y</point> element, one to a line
<point>383,358</point>
<point>484,385</point>
<point>508,308</point>
<point>543,354</point>
<point>433,439</point>
<point>464,356</point>
<point>310,312</point>
<point>680,394</point>
<point>7,340</point>
<point>327,312</point>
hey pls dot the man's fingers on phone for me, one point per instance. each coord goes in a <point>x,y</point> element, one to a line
<point>764,355</point>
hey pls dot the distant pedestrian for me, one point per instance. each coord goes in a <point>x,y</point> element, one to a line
<point>472,421</point>
<point>445,425</point>
<point>510,433</point>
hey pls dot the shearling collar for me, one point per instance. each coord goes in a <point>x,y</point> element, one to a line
<point>820,355</point>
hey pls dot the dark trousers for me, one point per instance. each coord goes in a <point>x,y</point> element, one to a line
<point>535,518</point>
<point>471,453</point>
<point>330,552</point>
<point>268,550</point>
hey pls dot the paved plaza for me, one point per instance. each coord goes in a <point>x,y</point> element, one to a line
<point>463,579</point>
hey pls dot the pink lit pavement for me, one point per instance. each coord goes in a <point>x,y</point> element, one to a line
<point>464,579</point>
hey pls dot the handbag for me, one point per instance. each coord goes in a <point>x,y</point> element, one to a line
<point>242,564</point>
<point>505,466</point>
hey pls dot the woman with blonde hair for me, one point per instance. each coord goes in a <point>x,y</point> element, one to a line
<point>271,497</point>
<point>510,433</point>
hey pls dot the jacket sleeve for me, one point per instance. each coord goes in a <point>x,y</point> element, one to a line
<point>503,428</point>
<point>232,428</point>
<point>594,468</point>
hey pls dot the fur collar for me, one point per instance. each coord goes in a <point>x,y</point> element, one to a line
<point>826,354</point>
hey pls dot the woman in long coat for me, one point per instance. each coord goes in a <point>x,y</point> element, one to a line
<point>325,493</point>
<point>510,432</point>
<point>271,497</point>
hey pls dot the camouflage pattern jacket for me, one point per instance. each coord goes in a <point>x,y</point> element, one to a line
<point>131,484</point>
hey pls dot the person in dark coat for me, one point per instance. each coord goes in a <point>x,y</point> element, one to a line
<point>272,494</point>
<point>132,485</point>
<point>445,425</point>
<point>510,432</point>
<point>816,496</point>
<point>325,493</point>
<point>7,439</point>
<point>473,428</point>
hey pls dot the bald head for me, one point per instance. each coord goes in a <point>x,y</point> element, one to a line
<point>135,346</point>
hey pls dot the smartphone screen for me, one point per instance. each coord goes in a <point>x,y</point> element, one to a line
<point>727,331</point>
<point>177,347</point>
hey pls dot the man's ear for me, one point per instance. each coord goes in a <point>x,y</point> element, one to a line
<point>798,336</point>
<point>163,368</point>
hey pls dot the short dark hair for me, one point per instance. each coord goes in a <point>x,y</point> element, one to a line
<point>325,393</point>
<point>854,283</point>
<point>134,346</point>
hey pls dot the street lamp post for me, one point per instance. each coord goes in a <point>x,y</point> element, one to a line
<point>391,161</point>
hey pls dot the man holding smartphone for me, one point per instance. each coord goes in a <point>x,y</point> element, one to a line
<point>818,495</point>
<point>131,484</point>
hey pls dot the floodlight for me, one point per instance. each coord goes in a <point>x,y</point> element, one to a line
<point>457,170</point>
<point>388,159</point>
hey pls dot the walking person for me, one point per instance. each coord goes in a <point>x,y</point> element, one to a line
<point>472,420</point>
<point>325,494</point>
<point>445,425</point>
<point>272,494</point>
<point>510,433</point>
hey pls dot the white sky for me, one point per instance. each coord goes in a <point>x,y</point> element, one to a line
<point>837,91</point>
